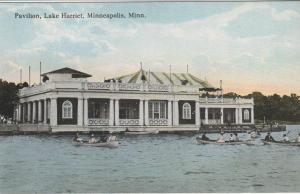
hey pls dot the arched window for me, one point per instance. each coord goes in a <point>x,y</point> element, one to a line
<point>186,111</point>
<point>67,110</point>
<point>246,114</point>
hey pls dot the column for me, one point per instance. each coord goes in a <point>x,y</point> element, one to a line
<point>80,112</point>
<point>53,114</point>
<point>45,111</point>
<point>111,112</point>
<point>240,115</point>
<point>24,112</point>
<point>222,116</point>
<point>252,115</point>
<point>33,112</point>
<point>28,112</point>
<point>141,112</point>
<point>86,111</point>
<point>236,116</point>
<point>116,112</point>
<point>40,111</point>
<point>20,113</point>
<point>175,112</point>
<point>169,112</point>
<point>197,113</point>
<point>206,115</point>
<point>146,112</point>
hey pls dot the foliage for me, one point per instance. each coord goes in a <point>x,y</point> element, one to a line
<point>9,96</point>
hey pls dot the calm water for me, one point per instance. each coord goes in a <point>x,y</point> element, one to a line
<point>160,163</point>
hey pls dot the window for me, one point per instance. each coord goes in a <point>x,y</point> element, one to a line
<point>246,114</point>
<point>186,111</point>
<point>67,110</point>
<point>157,109</point>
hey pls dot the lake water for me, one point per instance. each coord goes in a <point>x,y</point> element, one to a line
<point>157,163</point>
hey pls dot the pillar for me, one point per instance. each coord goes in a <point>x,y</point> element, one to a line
<point>141,112</point>
<point>252,115</point>
<point>240,115</point>
<point>169,113</point>
<point>40,111</point>
<point>146,112</point>
<point>24,112</point>
<point>20,113</point>
<point>33,112</point>
<point>86,111</point>
<point>197,113</point>
<point>111,112</point>
<point>53,114</point>
<point>116,111</point>
<point>236,116</point>
<point>45,111</point>
<point>175,113</point>
<point>222,116</point>
<point>206,115</point>
<point>28,112</point>
<point>80,112</point>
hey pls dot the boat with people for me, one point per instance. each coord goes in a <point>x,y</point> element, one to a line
<point>127,132</point>
<point>283,143</point>
<point>109,141</point>
<point>201,141</point>
<point>111,144</point>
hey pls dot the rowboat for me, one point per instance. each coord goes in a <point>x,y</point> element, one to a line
<point>200,141</point>
<point>141,132</point>
<point>110,144</point>
<point>281,143</point>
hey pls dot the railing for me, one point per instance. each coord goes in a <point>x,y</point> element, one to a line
<point>214,121</point>
<point>129,87</point>
<point>158,87</point>
<point>96,121</point>
<point>124,122</point>
<point>158,122</point>
<point>98,86</point>
<point>227,100</point>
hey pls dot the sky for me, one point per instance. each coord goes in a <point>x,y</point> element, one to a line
<point>249,46</point>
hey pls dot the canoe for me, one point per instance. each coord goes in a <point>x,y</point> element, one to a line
<point>111,144</point>
<point>141,132</point>
<point>200,141</point>
<point>281,143</point>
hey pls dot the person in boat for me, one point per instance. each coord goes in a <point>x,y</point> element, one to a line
<point>298,138</point>
<point>285,138</point>
<point>231,138</point>
<point>221,138</point>
<point>269,137</point>
<point>204,137</point>
<point>236,138</point>
<point>92,139</point>
<point>76,137</point>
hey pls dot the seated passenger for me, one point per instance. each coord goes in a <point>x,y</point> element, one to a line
<point>231,138</point>
<point>298,138</point>
<point>236,138</point>
<point>204,137</point>
<point>92,139</point>
<point>285,138</point>
<point>221,138</point>
<point>269,137</point>
<point>76,137</point>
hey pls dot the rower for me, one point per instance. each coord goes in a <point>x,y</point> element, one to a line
<point>231,138</point>
<point>75,138</point>
<point>221,138</point>
<point>204,137</point>
<point>92,139</point>
<point>236,138</point>
<point>269,137</point>
<point>298,138</point>
<point>285,138</point>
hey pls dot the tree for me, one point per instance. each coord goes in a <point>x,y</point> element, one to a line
<point>8,97</point>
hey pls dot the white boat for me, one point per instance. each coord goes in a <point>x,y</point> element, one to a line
<point>200,141</point>
<point>141,132</point>
<point>110,144</point>
<point>281,143</point>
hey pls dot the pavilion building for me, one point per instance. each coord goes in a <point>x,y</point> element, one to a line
<point>144,100</point>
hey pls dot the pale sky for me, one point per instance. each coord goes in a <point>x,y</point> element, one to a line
<point>250,46</point>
